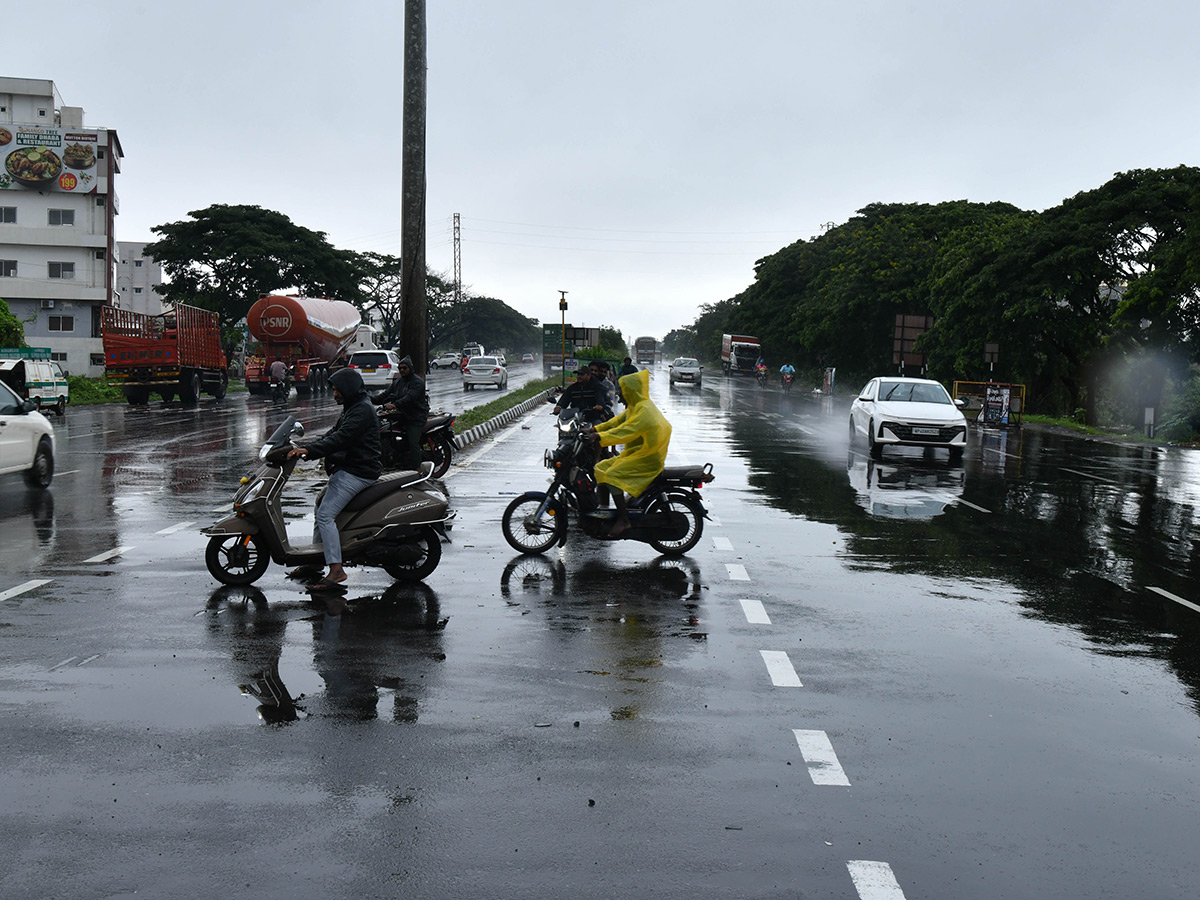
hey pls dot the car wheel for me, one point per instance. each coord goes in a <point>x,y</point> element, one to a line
<point>956,454</point>
<point>40,474</point>
<point>853,434</point>
<point>875,448</point>
<point>60,408</point>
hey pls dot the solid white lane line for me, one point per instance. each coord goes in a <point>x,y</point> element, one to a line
<point>88,660</point>
<point>722,543</point>
<point>65,662</point>
<point>737,572</point>
<point>756,613</point>
<point>1089,475</point>
<point>973,506</point>
<point>822,762</point>
<point>175,528</point>
<point>22,588</point>
<point>107,555</point>
<point>874,880</point>
<point>1188,603</point>
<point>780,668</point>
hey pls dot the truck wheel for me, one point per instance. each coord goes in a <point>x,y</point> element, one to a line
<point>222,387</point>
<point>167,396</point>
<point>137,396</point>
<point>189,387</point>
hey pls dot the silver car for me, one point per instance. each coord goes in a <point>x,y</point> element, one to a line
<point>26,439</point>
<point>485,370</point>
<point>686,370</point>
<point>912,412</point>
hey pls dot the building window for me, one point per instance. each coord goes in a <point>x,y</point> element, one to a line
<point>100,254</point>
<point>61,216</point>
<point>99,153</point>
<point>41,114</point>
<point>137,290</point>
<point>58,357</point>
<point>62,270</point>
<point>8,215</point>
<point>100,201</point>
<point>97,359</point>
<point>137,263</point>
<point>8,268</point>
<point>61,323</point>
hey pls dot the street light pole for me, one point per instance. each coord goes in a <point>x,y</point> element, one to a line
<point>562,306</point>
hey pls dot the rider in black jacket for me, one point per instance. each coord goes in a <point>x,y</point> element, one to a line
<point>407,400</point>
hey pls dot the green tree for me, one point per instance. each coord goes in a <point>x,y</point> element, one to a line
<point>224,257</point>
<point>12,332</point>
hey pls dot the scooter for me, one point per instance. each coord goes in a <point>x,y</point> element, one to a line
<point>668,515</point>
<point>437,441</point>
<point>393,524</point>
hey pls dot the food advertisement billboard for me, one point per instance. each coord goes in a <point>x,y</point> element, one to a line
<point>49,159</point>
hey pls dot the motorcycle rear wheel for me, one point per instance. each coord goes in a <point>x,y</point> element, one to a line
<point>430,546</point>
<point>440,452</point>
<point>691,509</point>
<point>527,534</point>
<point>237,558</point>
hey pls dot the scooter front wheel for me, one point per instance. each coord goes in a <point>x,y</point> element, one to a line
<point>528,532</point>
<point>427,555</point>
<point>237,558</point>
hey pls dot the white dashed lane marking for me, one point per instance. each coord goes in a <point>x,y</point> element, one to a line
<point>756,613</point>
<point>822,762</point>
<point>874,880</point>
<point>1162,593</point>
<point>722,543</point>
<point>108,554</point>
<point>175,528</point>
<point>737,572</point>
<point>780,668</point>
<point>23,588</point>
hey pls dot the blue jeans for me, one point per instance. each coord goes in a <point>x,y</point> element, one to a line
<point>340,491</point>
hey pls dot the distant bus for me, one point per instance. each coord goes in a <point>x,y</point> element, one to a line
<point>643,351</point>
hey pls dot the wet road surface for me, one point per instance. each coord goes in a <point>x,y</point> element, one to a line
<point>877,680</point>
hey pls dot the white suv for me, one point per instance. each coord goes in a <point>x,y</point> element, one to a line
<point>26,439</point>
<point>450,360</point>
<point>377,367</point>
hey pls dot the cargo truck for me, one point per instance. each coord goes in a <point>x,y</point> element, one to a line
<point>310,334</point>
<point>176,352</point>
<point>739,353</point>
<point>644,350</point>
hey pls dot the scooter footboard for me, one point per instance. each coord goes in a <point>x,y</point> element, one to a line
<point>231,525</point>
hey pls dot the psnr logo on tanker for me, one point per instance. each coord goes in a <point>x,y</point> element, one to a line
<point>276,320</point>
<point>67,181</point>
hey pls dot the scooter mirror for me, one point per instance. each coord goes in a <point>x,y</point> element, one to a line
<point>297,430</point>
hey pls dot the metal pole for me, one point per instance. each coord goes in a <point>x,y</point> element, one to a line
<point>414,312</point>
<point>562,306</point>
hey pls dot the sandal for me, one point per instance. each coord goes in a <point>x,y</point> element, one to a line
<point>301,573</point>
<point>326,585</point>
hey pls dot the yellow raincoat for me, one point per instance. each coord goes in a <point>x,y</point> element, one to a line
<point>644,431</point>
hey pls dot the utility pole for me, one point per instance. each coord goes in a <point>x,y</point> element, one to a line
<point>562,307</point>
<point>457,262</point>
<point>414,310</point>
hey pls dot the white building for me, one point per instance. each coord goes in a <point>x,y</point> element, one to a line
<point>138,275</point>
<point>58,203</point>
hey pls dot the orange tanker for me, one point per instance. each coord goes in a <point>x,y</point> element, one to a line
<point>307,333</point>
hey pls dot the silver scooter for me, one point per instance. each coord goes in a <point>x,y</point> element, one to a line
<point>394,524</point>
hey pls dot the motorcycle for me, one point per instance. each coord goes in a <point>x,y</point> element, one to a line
<point>668,515</point>
<point>761,375</point>
<point>437,441</point>
<point>787,382</point>
<point>393,524</point>
<point>280,387</point>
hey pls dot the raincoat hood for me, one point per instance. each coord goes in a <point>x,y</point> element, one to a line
<point>407,361</point>
<point>635,387</point>
<point>349,383</point>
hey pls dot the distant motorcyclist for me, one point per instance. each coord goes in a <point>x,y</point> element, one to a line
<point>787,371</point>
<point>407,399</point>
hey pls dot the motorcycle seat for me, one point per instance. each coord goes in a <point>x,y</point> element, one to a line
<point>387,484</point>
<point>686,473</point>
<point>438,420</point>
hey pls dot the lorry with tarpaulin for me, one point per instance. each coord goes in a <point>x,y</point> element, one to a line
<point>175,352</point>
<point>311,335</point>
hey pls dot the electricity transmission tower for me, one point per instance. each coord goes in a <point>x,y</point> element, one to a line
<point>457,262</point>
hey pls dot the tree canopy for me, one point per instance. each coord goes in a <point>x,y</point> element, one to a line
<point>12,332</point>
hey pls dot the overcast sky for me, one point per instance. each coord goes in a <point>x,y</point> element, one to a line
<point>640,155</point>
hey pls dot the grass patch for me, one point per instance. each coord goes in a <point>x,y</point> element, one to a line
<point>1072,424</point>
<point>88,391</point>
<point>477,415</point>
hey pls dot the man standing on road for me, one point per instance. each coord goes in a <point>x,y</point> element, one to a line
<point>351,453</point>
<point>408,401</point>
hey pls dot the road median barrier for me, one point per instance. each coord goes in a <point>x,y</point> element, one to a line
<point>471,435</point>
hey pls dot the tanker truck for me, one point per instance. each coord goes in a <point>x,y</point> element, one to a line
<point>310,334</point>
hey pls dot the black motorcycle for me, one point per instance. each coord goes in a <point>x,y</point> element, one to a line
<point>668,515</point>
<point>437,441</point>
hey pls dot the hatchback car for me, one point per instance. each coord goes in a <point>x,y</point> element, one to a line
<point>912,412</point>
<point>527,357</point>
<point>26,439</point>
<point>485,370</point>
<point>686,370</point>
<point>377,367</point>
<point>448,360</point>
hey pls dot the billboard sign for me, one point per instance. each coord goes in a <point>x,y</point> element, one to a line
<point>49,159</point>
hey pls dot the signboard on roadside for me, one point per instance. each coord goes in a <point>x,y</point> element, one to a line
<point>49,159</point>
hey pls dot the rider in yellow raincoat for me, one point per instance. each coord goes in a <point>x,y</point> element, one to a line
<point>645,432</point>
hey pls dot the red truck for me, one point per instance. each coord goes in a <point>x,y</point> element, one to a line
<point>310,334</point>
<point>177,352</point>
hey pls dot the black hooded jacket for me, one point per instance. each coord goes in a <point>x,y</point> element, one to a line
<point>353,443</point>
<point>409,396</point>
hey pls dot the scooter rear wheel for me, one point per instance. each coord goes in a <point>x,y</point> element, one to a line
<point>527,533</point>
<point>689,508</point>
<point>237,558</point>
<point>429,546</point>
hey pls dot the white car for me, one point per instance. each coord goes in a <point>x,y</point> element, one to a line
<point>686,370</point>
<point>26,439</point>
<point>377,367</point>
<point>485,370</point>
<point>911,412</point>
<point>449,360</point>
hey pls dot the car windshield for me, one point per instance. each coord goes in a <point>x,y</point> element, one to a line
<point>685,363</point>
<point>369,359</point>
<point>913,392</point>
<point>482,361</point>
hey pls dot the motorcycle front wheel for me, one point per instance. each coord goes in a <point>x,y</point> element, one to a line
<point>692,511</point>
<point>526,531</point>
<point>427,555</point>
<point>237,558</point>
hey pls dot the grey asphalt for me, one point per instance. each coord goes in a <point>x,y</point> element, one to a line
<point>944,682</point>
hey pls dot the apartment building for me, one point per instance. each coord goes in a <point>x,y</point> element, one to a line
<point>138,276</point>
<point>58,205</point>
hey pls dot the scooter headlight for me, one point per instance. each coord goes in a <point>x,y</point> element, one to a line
<point>252,492</point>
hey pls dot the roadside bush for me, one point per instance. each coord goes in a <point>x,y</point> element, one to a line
<point>86,391</point>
